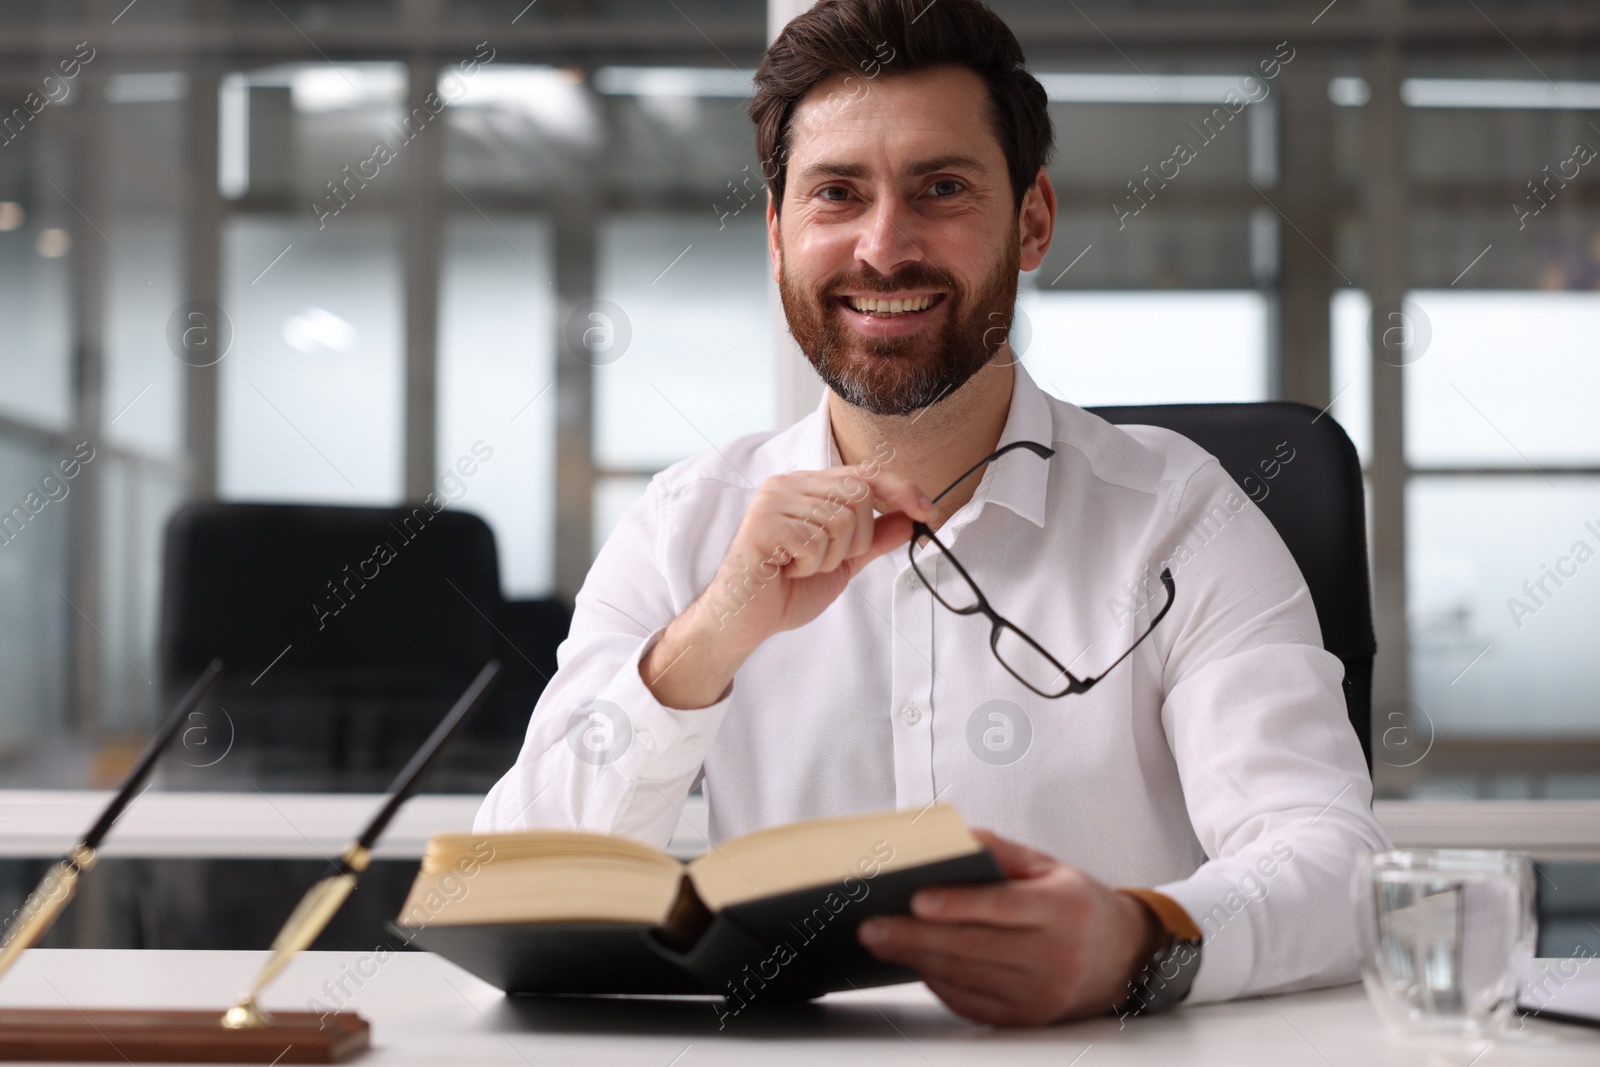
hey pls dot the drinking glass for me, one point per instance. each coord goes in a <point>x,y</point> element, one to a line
<point>1446,937</point>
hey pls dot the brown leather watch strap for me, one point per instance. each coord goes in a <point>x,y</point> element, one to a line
<point>1172,916</point>
<point>1165,979</point>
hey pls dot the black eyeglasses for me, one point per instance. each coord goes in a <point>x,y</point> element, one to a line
<point>1017,652</point>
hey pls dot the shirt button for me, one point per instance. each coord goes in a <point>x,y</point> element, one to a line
<point>912,714</point>
<point>646,742</point>
<point>912,581</point>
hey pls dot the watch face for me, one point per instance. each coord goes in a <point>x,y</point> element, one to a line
<point>1166,979</point>
<point>1175,958</point>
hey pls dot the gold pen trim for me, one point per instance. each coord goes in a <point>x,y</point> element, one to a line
<point>45,904</point>
<point>309,918</point>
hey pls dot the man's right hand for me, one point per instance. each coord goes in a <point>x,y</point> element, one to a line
<point>805,535</point>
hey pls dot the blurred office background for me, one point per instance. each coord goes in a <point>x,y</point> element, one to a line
<point>567,264</point>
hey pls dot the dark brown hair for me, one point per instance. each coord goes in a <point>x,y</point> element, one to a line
<point>872,38</point>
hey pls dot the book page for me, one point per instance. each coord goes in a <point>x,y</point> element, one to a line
<point>570,888</point>
<point>446,851</point>
<point>825,851</point>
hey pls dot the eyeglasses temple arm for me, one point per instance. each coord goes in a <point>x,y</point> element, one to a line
<point>1172,593</point>
<point>1032,446</point>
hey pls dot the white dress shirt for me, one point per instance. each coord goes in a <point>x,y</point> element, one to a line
<point>1216,764</point>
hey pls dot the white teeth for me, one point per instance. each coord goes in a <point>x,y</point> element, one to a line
<point>874,306</point>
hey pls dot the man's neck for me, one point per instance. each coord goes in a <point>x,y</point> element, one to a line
<point>936,445</point>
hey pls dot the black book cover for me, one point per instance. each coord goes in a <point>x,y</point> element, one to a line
<point>791,946</point>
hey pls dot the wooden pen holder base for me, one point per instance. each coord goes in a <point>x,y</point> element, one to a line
<point>101,1035</point>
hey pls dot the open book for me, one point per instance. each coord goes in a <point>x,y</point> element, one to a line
<point>772,914</point>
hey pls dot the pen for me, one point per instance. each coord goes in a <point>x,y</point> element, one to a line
<point>55,890</point>
<point>323,900</point>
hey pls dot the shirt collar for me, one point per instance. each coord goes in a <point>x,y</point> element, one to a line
<point>1018,483</point>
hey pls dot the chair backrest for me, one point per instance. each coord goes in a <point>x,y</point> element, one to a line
<point>1298,465</point>
<point>347,631</point>
<point>351,589</point>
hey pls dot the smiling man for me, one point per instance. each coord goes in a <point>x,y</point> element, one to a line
<point>761,623</point>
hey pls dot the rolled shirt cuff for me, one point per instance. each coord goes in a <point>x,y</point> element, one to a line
<point>1228,952</point>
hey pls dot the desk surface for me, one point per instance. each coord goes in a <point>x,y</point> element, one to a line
<point>425,1011</point>
<point>46,822</point>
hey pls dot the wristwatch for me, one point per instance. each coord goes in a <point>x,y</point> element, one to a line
<point>1165,978</point>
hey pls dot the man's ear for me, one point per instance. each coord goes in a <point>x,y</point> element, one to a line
<point>774,238</point>
<point>1036,222</point>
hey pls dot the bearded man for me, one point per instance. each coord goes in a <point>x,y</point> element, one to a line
<point>771,626</point>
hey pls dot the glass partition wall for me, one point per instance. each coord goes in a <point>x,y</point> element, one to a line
<point>318,252</point>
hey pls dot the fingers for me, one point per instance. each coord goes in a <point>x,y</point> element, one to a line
<point>995,995</point>
<point>816,520</point>
<point>977,976</point>
<point>999,976</point>
<point>1015,1006</point>
<point>1039,891</point>
<point>812,531</point>
<point>800,523</point>
<point>889,532</point>
<point>852,532</point>
<point>897,492</point>
<point>865,526</point>
<point>988,978</point>
<point>1009,904</point>
<point>1016,859</point>
<point>979,1005</point>
<point>904,940</point>
<point>822,531</point>
<point>822,528</point>
<point>1045,945</point>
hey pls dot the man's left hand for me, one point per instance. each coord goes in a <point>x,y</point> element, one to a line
<point>1051,943</point>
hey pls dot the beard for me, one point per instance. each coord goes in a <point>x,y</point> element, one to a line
<point>902,375</point>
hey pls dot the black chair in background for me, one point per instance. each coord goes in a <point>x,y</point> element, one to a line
<point>1316,502</point>
<point>347,633</point>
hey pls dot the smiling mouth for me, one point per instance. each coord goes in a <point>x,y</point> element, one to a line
<point>891,307</point>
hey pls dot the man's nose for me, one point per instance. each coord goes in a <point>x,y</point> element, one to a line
<point>890,240</point>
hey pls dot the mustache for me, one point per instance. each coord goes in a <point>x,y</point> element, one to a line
<point>867,280</point>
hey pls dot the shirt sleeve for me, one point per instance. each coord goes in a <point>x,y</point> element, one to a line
<point>1274,781</point>
<point>601,753</point>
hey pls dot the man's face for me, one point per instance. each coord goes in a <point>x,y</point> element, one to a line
<point>898,246</point>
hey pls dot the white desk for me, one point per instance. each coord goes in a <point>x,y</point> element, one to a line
<point>256,825</point>
<point>425,1011</point>
<point>46,822</point>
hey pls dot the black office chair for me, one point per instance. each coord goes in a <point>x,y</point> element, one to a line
<point>1316,503</point>
<point>347,633</point>
<point>329,690</point>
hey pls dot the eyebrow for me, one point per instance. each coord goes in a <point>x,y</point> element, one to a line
<point>834,170</point>
<point>917,169</point>
<point>947,162</point>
